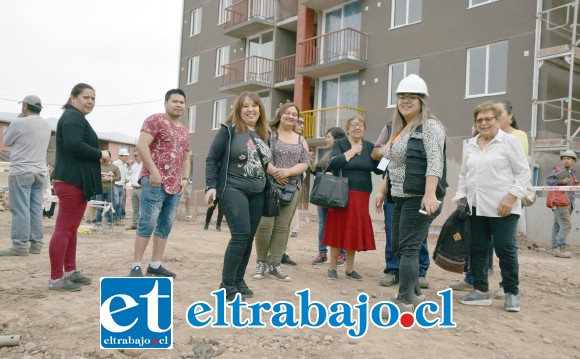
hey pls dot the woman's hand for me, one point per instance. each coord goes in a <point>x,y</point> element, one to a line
<point>281,175</point>
<point>505,206</point>
<point>210,197</point>
<point>430,204</point>
<point>379,200</point>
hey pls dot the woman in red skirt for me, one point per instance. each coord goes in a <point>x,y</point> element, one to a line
<point>351,227</point>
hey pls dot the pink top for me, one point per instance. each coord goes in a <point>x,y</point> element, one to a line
<point>170,144</point>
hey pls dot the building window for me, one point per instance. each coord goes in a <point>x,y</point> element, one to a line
<point>222,14</point>
<point>193,70</point>
<point>487,70</point>
<point>191,118</point>
<point>195,22</point>
<point>222,57</point>
<point>474,3</point>
<point>397,72</point>
<point>405,12</point>
<point>219,113</point>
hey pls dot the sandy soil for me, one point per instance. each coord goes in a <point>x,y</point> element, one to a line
<point>66,325</point>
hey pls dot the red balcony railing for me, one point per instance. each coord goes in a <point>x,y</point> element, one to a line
<point>252,68</point>
<point>286,9</point>
<point>285,68</point>
<point>337,45</point>
<point>245,10</point>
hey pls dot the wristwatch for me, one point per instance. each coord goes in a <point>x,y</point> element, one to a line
<point>186,179</point>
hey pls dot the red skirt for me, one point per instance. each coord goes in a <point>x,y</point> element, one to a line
<point>350,228</point>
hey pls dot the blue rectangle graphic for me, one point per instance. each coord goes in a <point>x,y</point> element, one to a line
<point>136,313</point>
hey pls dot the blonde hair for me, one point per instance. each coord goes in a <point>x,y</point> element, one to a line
<point>235,116</point>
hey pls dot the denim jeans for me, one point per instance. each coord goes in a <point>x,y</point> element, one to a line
<point>120,202</point>
<point>410,228</point>
<point>392,263</point>
<point>158,210</point>
<point>503,231</point>
<point>26,207</point>
<point>322,212</point>
<point>108,196</point>
<point>243,212</point>
<point>562,225</point>
<point>469,273</point>
<point>135,201</point>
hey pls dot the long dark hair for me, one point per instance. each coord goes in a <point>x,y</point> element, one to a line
<point>275,123</point>
<point>75,92</point>
<point>509,109</point>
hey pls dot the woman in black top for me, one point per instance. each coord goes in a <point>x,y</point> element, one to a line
<point>77,177</point>
<point>351,227</point>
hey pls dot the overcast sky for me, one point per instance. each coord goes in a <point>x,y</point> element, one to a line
<point>128,50</point>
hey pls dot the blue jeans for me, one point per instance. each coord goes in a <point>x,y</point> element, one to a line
<point>410,228</point>
<point>243,212</point>
<point>158,210</point>
<point>26,207</point>
<point>503,231</point>
<point>108,196</point>
<point>562,225</point>
<point>120,202</point>
<point>392,263</point>
<point>322,212</point>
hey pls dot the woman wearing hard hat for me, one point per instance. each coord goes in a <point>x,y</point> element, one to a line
<point>416,173</point>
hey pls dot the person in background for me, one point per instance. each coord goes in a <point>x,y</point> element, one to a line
<point>295,224</point>
<point>209,214</point>
<point>508,124</point>
<point>417,177</point>
<point>351,227</point>
<point>134,172</point>
<point>110,173</point>
<point>49,191</point>
<point>235,172</point>
<point>120,193</point>
<point>494,174</point>
<point>332,134</point>
<point>77,146</point>
<point>289,161</point>
<point>391,271</point>
<point>28,136</point>
<point>165,150</point>
<point>562,208</point>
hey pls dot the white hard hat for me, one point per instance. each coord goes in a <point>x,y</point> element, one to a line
<point>124,152</point>
<point>413,84</point>
<point>569,153</point>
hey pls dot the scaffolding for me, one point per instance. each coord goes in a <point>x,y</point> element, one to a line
<point>556,79</point>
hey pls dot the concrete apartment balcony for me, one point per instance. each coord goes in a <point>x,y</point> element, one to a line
<point>320,5</point>
<point>287,14</point>
<point>333,53</point>
<point>317,122</point>
<point>249,17</point>
<point>252,73</point>
<point>285,72</point>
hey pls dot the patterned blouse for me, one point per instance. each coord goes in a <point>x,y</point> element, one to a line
<point>289,155</point>
<point>433,140</point>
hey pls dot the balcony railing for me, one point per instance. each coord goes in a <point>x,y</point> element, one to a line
<point>246,10</point>
<point>253,68</point>
<point>317,122</point>
<point>346,43</point>
<point>285,68</point>
<point>286,9</point>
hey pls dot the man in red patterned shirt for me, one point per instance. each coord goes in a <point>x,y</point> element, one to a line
<point>164,148</point>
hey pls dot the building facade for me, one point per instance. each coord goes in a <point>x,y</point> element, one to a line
<point>335,58</point>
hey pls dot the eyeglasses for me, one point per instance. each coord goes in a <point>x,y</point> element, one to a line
<point>479,121</point>
<point>410,98</point>
<point>300,122</point>
<point>357,125</point>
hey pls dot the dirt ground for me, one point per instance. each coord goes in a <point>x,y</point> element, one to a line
<point>66,325</point>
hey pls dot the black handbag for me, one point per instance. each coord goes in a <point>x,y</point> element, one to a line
<point>453,247</point>
<point>271,199</point>
<point>286,192</point>
<point>329,191</point>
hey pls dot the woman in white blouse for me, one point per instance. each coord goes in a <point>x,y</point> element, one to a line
<point>492,181</point>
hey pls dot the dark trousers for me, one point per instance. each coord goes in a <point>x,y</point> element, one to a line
<point>409,230</point>
<point>243,212</point>
<point>503,232</point>
<point>209,214</point>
